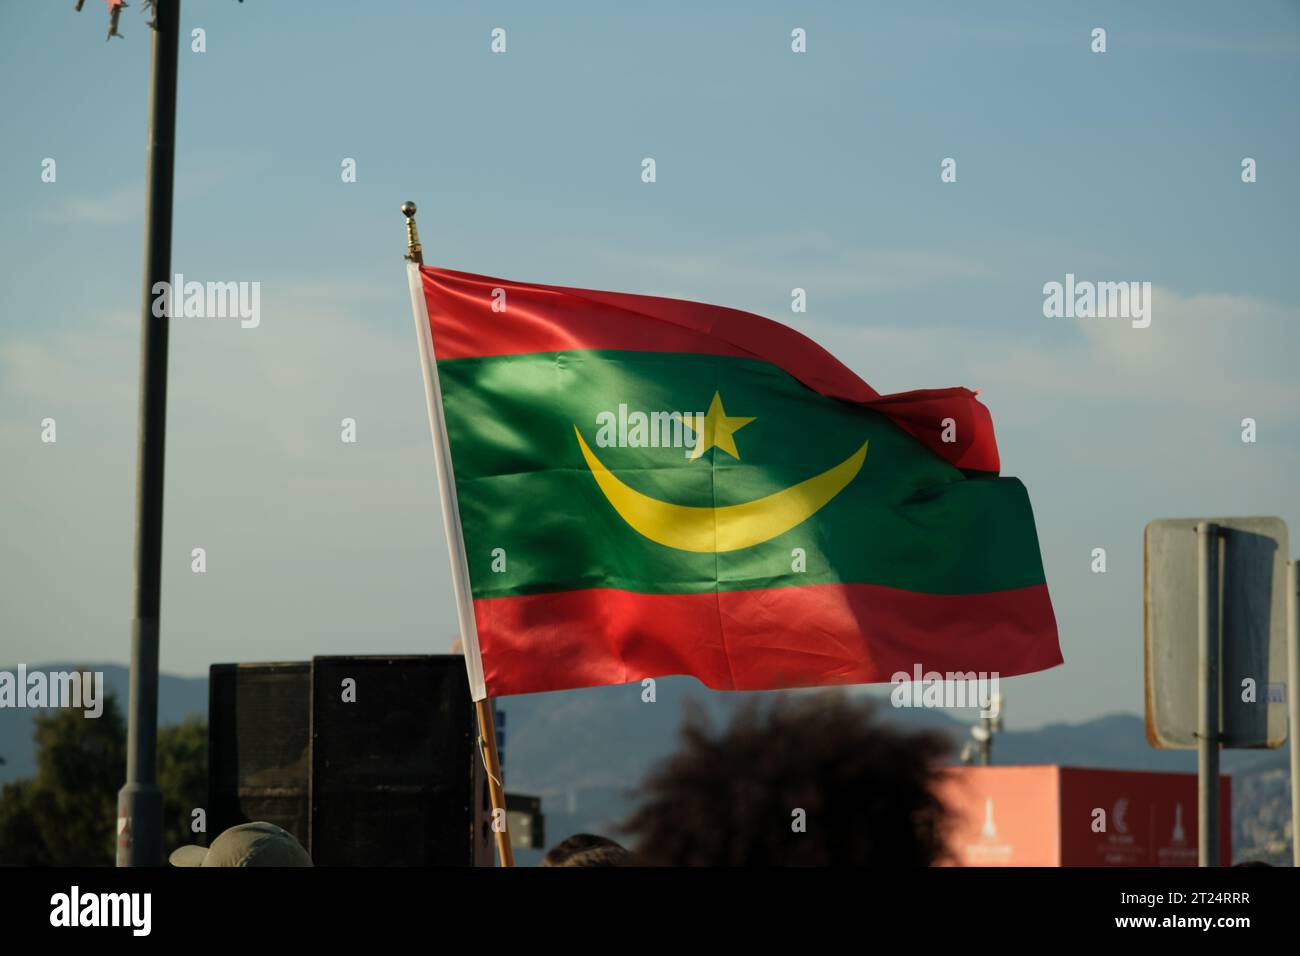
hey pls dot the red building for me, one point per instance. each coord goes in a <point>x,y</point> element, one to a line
<point>1069,816</point>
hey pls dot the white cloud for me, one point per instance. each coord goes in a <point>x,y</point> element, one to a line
<point>814,262</point>
<point>125,204</point>
<point>1200,353</point>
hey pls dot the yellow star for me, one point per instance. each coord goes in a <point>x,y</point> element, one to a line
<point>718,429</point>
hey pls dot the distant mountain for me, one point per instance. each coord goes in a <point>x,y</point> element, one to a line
<point>584,751</point>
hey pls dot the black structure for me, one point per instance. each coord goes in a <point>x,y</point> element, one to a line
<point>527,825</point>
<point>369,761</point>
<point>393,762</point>
<point>259,743</point>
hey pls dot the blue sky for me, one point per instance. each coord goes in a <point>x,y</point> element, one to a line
<point>775,171</point>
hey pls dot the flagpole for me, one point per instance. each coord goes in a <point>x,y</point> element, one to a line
<point>496,788</point>
<point>456,541</point>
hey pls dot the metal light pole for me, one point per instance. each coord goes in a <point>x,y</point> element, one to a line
<point>981,744</point>
<point>139,802</point>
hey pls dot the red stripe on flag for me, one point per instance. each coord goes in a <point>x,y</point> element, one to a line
<point>760,639</point>
<point>546,318</point>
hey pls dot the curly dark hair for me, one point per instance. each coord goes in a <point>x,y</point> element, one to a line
<point>866,789</point>
<point>586,849</point>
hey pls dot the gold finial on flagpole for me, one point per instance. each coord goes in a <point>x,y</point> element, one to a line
<point>414,251</point>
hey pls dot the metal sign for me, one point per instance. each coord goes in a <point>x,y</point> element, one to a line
<point>1252,660</point>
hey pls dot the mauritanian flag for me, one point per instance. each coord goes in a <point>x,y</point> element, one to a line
<point>647,486</point>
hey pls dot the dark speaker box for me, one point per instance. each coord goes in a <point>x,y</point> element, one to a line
<point>382,770</point>
<point>395,768</point>
<point>259,738</point>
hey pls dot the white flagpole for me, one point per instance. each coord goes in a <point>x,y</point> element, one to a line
<point>442,458</point>
<point>460,584</point>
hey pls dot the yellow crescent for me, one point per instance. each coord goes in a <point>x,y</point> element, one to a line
<point>729,528</point>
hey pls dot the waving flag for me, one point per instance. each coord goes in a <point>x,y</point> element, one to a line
<point>646,486</point>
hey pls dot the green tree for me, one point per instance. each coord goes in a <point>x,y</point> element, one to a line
<point>20,837</point>
<point>69,806</point>
<point>183,778</point>
<point>66,814</point>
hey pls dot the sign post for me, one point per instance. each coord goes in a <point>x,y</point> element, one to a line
<point>1216,645</point>
<point>1293,697</point>
<point>1210,710</point>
